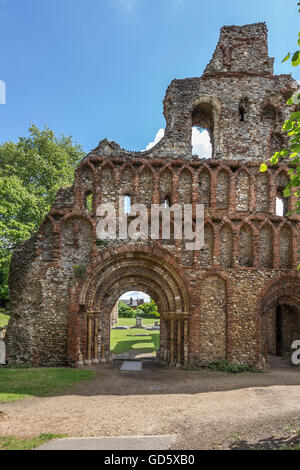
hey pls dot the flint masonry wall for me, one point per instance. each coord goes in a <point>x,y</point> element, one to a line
<point>221,298</point>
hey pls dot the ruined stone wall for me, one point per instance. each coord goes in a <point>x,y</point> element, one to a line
<point>221,291</point>
<point>237,100</point>
<point>115,314</point>
<point>244,250</point>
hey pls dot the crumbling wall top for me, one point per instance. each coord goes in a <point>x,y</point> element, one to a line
<point>238,100</point>
<point>242,49</point>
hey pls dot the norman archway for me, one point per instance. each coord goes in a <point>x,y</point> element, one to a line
<point>280,317</point>
<point>142,271</point>
<point>64,281</point>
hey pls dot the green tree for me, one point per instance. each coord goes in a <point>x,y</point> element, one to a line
<point>148,310</point>
<point>31,172</point>
<point>292,128</point>
<point>125,311</point>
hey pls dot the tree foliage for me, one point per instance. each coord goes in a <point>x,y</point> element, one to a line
<point>292,128</point>
<point>31,172</point>
<point>125,311</point>
<point>148,310</point>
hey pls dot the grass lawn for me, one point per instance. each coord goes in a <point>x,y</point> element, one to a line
<point>131,321</point>
<point>16,384</point>
<point>3,319</point>
<point>15,443</point>
<point>123,340</point>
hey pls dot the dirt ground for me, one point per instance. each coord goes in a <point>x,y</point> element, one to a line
<point>206,409</point>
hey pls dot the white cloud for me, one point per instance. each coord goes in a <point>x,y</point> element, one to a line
<point>279,207</point>
<point>201,143</point>
<point>159,135</point>
<point>135,295</point>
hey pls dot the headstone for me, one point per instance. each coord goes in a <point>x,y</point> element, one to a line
<point>2,353</point>
<point>80,359</point>
<point>156,323</point>
<point>138,322</point>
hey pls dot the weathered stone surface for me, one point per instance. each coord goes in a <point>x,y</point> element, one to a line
<point>2,353</point>
<point>3,332</point>
<point>138,322</point>
<point>132,366</point>
<point>215,303</point>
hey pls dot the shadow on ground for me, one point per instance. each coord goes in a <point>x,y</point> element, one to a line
<point>111,381</point>
<point>276,443</point>
<point>149,342</point>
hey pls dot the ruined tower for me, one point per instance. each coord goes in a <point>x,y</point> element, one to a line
<point>223,301</point>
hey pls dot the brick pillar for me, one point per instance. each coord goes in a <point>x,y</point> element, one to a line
<point>179,341</point>
<point>186,343</point>
<point>95,345</point>
<point>172,340</point>
<point>89,338</point>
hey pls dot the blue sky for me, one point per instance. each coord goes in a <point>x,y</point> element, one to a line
<point>100,68</point>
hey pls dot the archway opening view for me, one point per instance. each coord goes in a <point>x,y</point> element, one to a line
<point>201,142</point>
<point>134,327</point>
<point>281,328</point>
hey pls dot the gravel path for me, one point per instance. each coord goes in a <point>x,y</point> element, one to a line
<point>205,409</point>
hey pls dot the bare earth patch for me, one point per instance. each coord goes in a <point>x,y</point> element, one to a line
<point>205,409</point>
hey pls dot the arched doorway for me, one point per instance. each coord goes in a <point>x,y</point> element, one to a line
<point>140,271</point>
<point>280,318</point>
<point>134,327</point>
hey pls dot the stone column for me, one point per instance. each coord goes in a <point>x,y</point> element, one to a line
<point>96,329</point>
<point>89,339</point>
<point>172,358</point>
<point>161,341</point>
<point>166,338</point>
<point>179,341</point>
<point>101,339</point>
<point>102,357</point>
<point>186,344</point>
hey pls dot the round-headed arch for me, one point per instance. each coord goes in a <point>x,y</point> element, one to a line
<point>285,290</point>
<point>138,270</point>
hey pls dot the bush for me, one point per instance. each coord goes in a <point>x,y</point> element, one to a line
<point>148,310</point>
<point>125,311</point>
<point>226,366</point>
<point>223,366</point>
<point>79,270</point>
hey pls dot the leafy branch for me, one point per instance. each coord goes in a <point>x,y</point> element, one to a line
<point>292,127</point>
